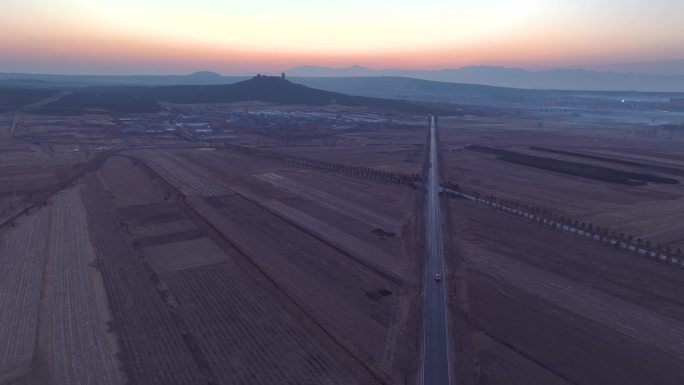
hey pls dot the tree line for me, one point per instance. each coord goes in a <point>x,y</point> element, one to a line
<point>347,169</point>
<point>606,233</point>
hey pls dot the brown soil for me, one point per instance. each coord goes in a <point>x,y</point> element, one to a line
<point>532,305</point>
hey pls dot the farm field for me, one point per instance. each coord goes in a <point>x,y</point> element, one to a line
<point>60,333</point>
<point>342,295</point>
<point>24,250</point>
<point>183,258</point>
<point>351,274</point>
<point>74,339</point>
<point>165,277</point>
<point>521,291</point>
<point>398,148</point>
<point>26,170</point>
<point>5,126</point>
<point>245,335</point>
<point>153,348</point>
<point>375,212</point>
<point>83,129</point>
<point>651,212</point>
<point>185,255</point>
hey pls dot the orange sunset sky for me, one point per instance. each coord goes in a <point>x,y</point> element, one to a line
<point>174,36</point>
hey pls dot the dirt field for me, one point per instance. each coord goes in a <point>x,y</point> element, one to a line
<point>28,169</point>
<point>186,305</point>
<point>351,274</point>
<point>74,337</point>
<point>188,263</point>
<point>546,308</point>
<point>23,251</point>
<point>60,333</point>
<point>651,212</point>
<point>398,148</point>
<point>339,282</point>
<point>152,345</point>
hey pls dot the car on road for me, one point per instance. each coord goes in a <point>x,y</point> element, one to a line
<point>438,277</point>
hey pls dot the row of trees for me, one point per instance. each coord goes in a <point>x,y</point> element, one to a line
<point>604,232</point>
<point>357,171</point>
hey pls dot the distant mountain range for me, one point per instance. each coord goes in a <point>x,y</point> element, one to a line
<point>46,80</point>
<point>665,76</point>
<point>558,79</point>
<point>666,67</point>
<point>524,87</point>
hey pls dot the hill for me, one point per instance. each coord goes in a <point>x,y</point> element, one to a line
<point>260,88</point>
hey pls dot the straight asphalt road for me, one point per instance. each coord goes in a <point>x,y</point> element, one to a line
<point>435,354</point>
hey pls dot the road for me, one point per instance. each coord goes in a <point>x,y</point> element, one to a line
<point>435,353</point>
<point>14,124</point>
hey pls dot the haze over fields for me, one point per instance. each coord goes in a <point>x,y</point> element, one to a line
<point>558,79</point>
<point>656,77</point>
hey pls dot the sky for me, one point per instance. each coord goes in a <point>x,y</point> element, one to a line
<point>245,37</point>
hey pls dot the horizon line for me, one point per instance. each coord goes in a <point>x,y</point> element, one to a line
<point>362,67</point>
